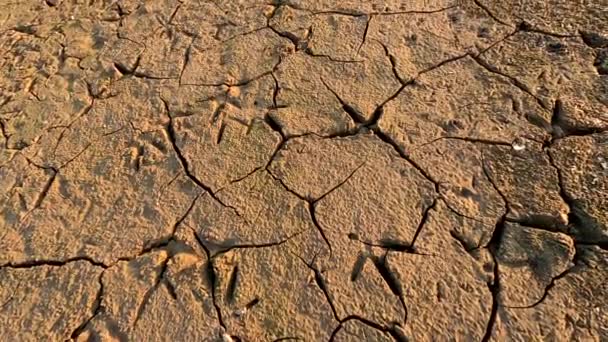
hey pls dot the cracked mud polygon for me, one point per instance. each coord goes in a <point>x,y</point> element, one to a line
<point>259,170</point>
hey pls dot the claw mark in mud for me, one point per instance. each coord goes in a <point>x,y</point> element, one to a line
<point>364,39</point>
<point>232,283</point>
<point>391,280</point>
<point>358,266</point>
<point>425,217</point>
<point>46,188</point>
<point>220,133</point>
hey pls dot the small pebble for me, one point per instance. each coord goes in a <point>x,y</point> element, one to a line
<point>518,144</point>
<point>240,312</point>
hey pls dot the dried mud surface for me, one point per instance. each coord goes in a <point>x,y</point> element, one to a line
<point>259,170</point>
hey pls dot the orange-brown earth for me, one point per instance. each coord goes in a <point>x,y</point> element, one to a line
<point>259,170</point>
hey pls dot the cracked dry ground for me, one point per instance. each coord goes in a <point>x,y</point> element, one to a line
<point>251,170</point>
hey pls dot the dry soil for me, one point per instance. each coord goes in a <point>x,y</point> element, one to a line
<point>259,170</point>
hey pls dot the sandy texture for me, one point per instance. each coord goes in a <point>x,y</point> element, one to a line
<point>253,170</point>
